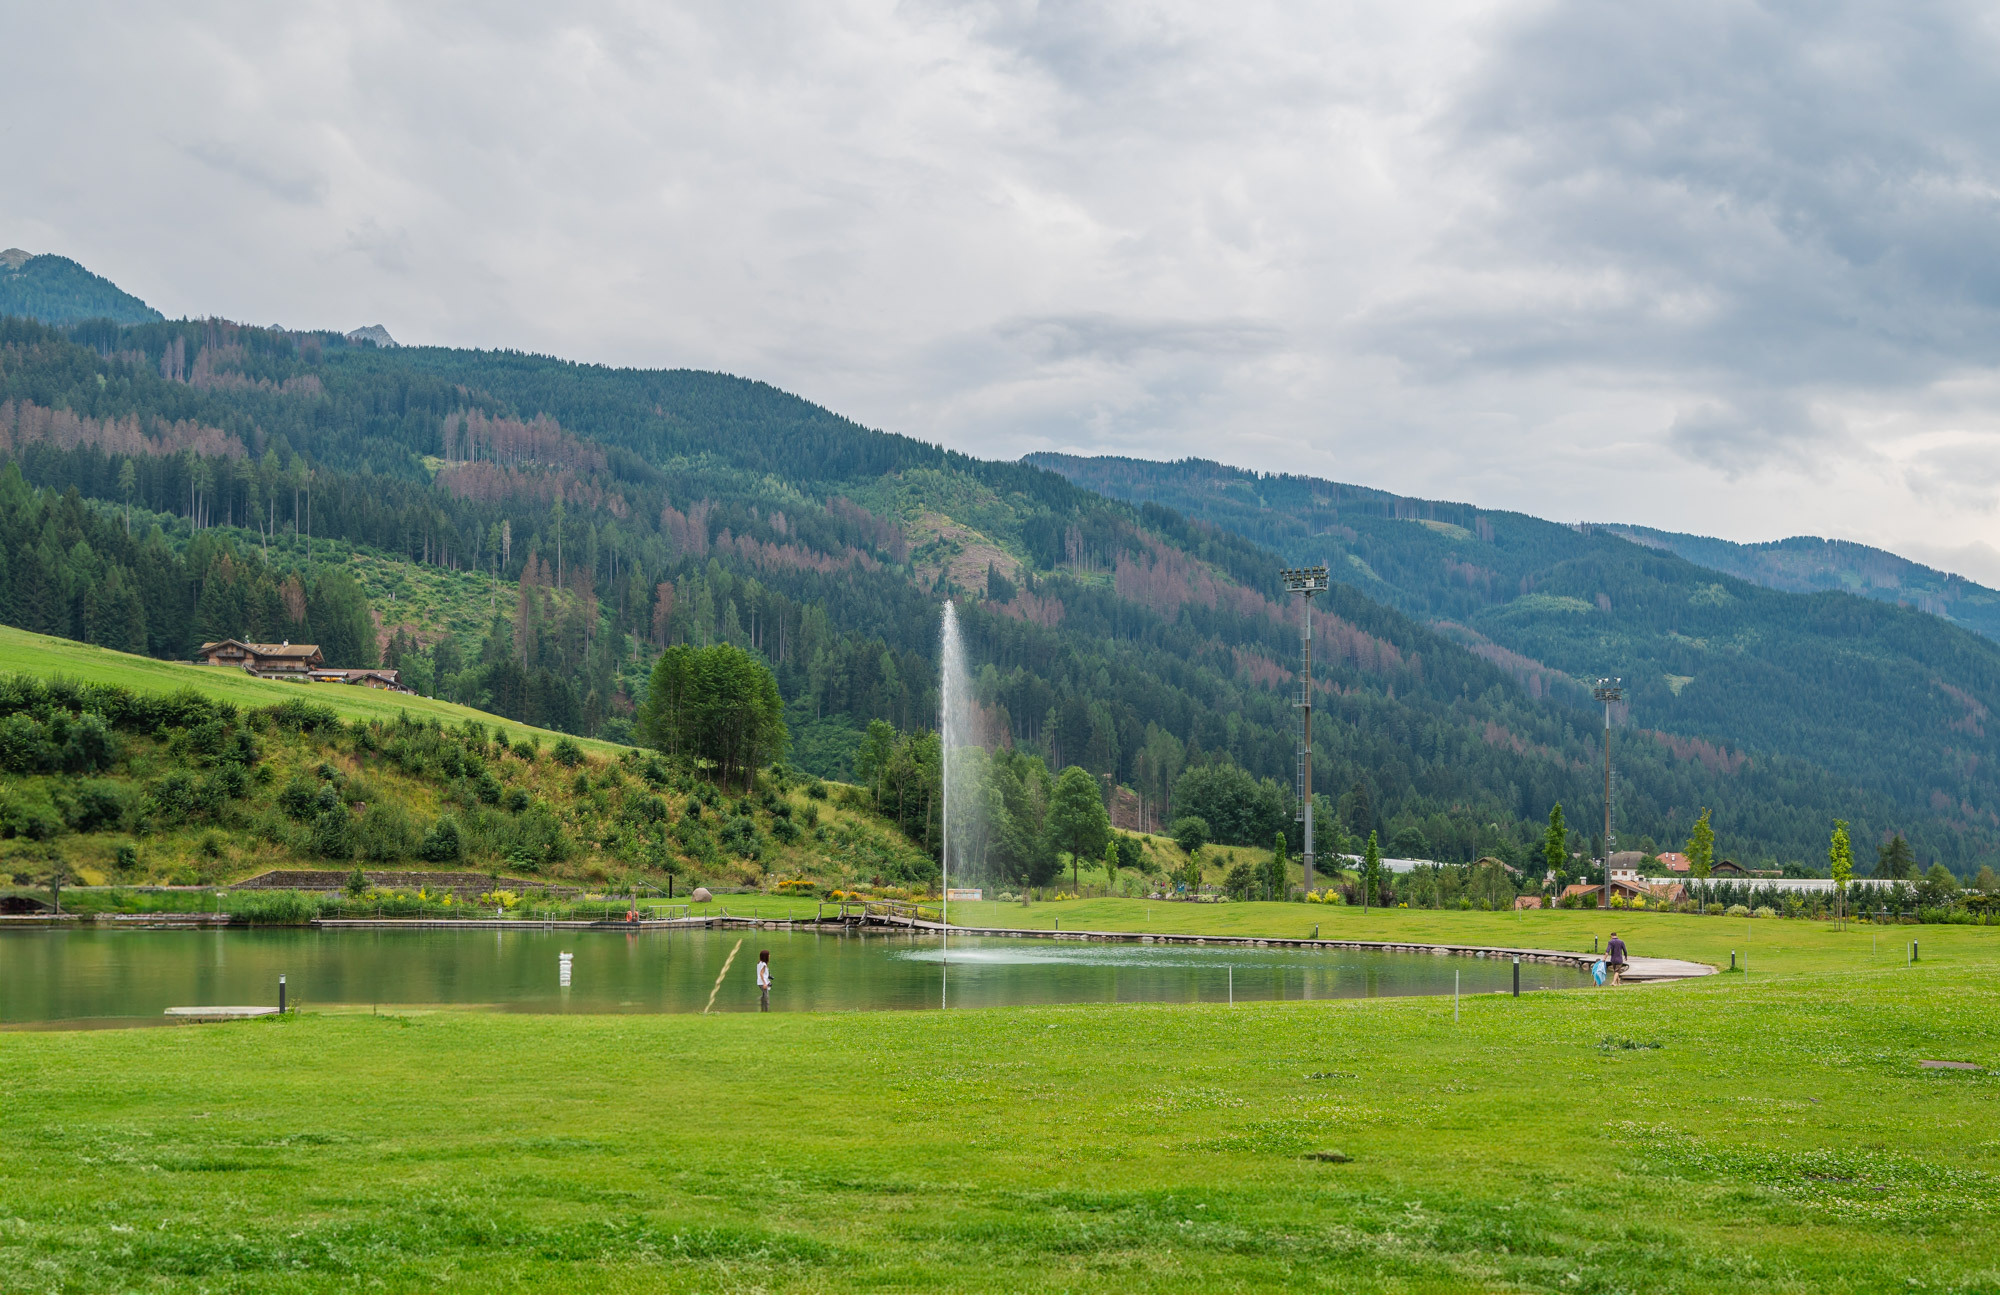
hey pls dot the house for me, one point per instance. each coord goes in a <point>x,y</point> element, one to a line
<point>1527,901</point>
<point>1731,868</point>
<point>1671,892</point>
<point>389,680</point>
<point>287,658</point>
<point>1676,862</point>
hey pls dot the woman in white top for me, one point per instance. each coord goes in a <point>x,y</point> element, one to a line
<point>764,979</point>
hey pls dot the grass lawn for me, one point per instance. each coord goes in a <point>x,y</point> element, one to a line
<point>38,654</point>
<point>1731,1134</point>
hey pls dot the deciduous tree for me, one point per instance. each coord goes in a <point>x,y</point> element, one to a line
<point>1077,820</point>
<point>1701,847</point>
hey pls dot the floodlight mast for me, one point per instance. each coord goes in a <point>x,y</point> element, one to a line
<point>1305,582</point>
<point>1607,691</point>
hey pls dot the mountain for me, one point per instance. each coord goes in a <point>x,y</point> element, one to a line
<point>531,532</point>
<point>1808,564</point>
<point>56,290</point>
<point>1876,695</point>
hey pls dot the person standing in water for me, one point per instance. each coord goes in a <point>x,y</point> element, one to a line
<point>1614,953</point>
<point>764,980</point>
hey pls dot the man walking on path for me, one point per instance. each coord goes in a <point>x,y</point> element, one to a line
<point>1614,953</point>
<point>764,980</point>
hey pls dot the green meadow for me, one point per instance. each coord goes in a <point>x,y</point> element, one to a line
<point>1769,1132</point>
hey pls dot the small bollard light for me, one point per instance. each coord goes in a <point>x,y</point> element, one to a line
<point>281,995</point>
<point>1517,977</point>
<point>1913,951</point>
<point>1732,959</point>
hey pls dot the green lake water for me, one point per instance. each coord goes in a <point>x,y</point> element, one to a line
<point>120,977</point>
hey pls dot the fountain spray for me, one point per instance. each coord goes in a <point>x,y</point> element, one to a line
<point>957,775</point>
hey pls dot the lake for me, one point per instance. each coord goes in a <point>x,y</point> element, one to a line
<point>108,977</point>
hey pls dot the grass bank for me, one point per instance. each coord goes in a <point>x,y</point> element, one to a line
<point>1766,946</point>
<point>1764,1136</point>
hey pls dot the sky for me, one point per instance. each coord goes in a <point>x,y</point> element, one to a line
<point>1726,268</point>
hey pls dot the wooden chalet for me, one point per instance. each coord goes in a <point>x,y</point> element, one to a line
<point>287,658</point>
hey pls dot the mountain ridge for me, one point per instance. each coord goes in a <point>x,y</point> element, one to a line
<point>612,511</point>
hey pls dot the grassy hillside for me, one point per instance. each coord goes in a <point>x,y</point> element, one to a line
<point>45,657</point>
<point>131,771</point>
<point>1768,1135</point>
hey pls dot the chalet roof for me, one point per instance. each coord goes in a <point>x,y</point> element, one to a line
<point>298,651</point>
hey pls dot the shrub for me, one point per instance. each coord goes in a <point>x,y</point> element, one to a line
<point>784,830</point>
<point>332,834</point>
<point>1767,911</point>
<point>1738,910</point>
<point>1191,833</point>
<point>126,859</point>
<point>299,798</point>
<point>28,813</point>
<point>1713,910</point>
<point>357,882</point>
<point>515,801</point>
<point>816,790</point>
<point>741,837</point>
<point>567,753</point>
<point>272,907</point>
<point>174,798</point>
<point>302,716</point>
<point>97,806</point>
<point>441,844</point>
<point>384,834</point>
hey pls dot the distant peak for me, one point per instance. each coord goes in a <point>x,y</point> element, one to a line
<point>14,258</point>
<point>373,333</point>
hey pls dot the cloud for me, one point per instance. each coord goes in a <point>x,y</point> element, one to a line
<point>1964,474</point>
<point>1545,254</point>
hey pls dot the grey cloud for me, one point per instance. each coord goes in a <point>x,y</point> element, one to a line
<point>1736,436</point>
<point>1115,340</point>
<point>1964,475</point>
<point>288,183</point>
<point>1777,196</point>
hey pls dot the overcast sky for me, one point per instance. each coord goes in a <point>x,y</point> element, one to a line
<point>1717,267</point>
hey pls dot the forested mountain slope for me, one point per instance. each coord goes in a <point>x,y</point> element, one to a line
<point>56,290</point>
<point>1808,564</point>
<point>610,512</point>
<point>1872,693</point>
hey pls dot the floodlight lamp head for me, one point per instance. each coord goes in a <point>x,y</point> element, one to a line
<point>1304,580</point>
<point>1609,690</point>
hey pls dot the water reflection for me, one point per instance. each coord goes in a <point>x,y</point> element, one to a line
<point>80,974</point>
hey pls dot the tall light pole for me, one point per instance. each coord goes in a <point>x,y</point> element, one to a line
<point>1305,582</point>
<point>1607,691</point>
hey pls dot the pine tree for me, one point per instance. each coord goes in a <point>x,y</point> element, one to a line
<point>1371,868</point>
<point>1555,844</point>
<point>1895,859</point>
<point>1277,880</point>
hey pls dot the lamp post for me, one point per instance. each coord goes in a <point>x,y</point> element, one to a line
<point>1607,691</point>
<point>1306,582</point>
